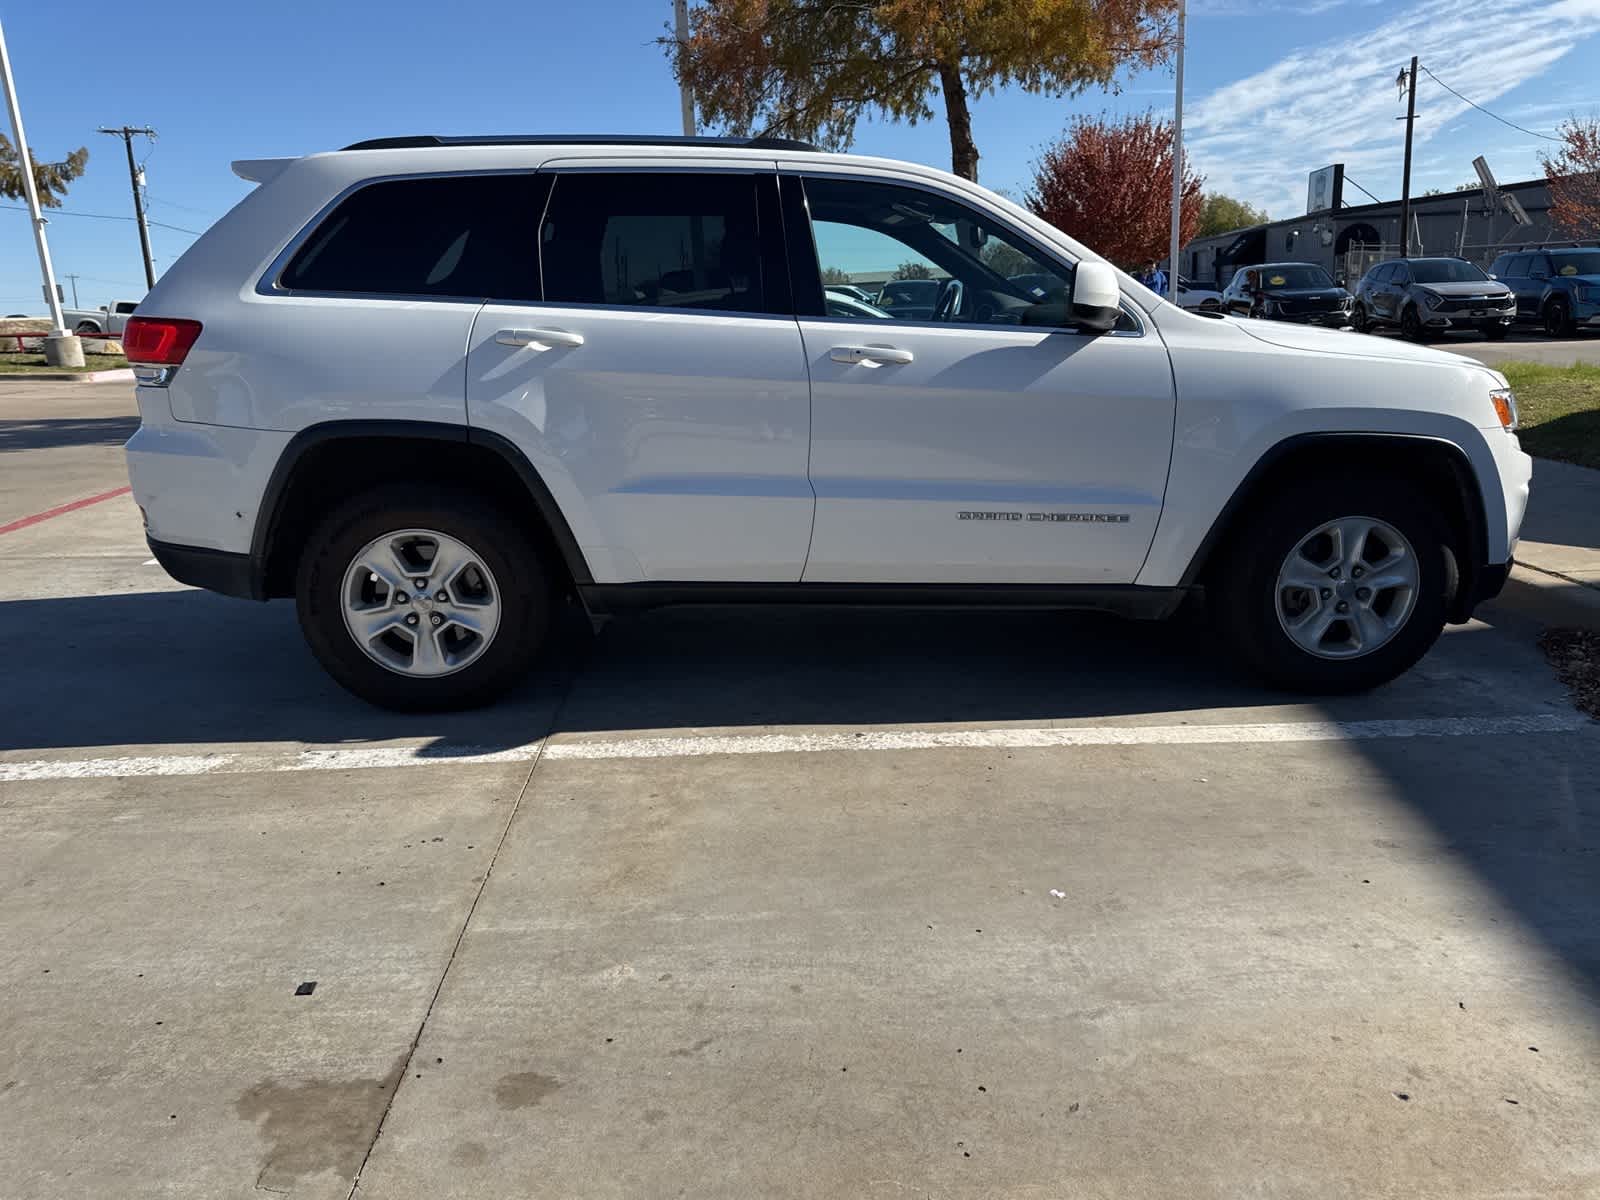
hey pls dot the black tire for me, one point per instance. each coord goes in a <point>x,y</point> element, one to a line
<point>523,581</point>
<point>86,327</point>
<point>1558,318</point>
<point>1359,320</point>
<point>1411,324</point>
<point>1244,583</point>
<point>1495,332</point>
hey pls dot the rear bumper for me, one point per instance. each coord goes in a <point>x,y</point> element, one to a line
<point>215,570</point>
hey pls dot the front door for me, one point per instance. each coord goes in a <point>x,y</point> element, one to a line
<point>659,385</point>
<point>960,443</point>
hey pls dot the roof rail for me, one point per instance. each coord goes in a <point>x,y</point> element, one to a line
<point>420,141</point>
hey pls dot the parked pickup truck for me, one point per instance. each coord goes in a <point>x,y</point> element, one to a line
<point>100,320</point>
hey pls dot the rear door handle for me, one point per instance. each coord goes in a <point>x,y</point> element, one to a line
<point>539,339</point>
<point>871,356</point>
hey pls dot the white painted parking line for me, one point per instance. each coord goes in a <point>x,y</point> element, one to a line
<point>19,770</point>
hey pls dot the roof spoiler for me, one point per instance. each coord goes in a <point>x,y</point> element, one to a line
<point>259,170</point>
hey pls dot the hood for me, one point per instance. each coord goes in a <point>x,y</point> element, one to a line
<point>1333,341</point>
<point>1481,287</point>
<point>1288,293</point>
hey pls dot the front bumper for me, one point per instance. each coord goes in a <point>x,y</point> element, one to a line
<point>215,570</point>
<point>1333,320</point>
<point>1436,320</point>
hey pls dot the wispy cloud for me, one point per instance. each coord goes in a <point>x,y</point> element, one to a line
<point>1336,102</point>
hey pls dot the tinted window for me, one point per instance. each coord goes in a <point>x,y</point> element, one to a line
<point>1568,263</point>
<point>465,236</point>
<point>1514,266</point>
<point>1399,273</point>
<point>1379,274</point>
<point>1445,270</point>
<point>937,259</point>
<point>1295,276</point>
<point>654,240</point>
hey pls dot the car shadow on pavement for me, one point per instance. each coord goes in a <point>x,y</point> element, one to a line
<point>53,433</point>
<point>186,667</point>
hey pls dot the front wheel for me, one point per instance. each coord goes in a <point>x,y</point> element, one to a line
<point>1359,321</point>
<point>422,599</point>
<point>1411,324</point>
<point>1495,332</point>
<point>1558,319</point>
<point>1336,585</point>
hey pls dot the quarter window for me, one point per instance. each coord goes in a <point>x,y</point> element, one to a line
<point>465,236</point>
<point>654,240</point>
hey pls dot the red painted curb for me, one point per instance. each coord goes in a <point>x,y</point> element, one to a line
<point>60,509</point>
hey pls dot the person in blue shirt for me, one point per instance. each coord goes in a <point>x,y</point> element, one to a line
<point>1155,279</point>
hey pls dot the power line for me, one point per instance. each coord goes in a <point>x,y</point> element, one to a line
<point>61,212</point>
<point>1512,124</point>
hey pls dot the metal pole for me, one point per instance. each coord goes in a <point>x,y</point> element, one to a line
<point>74,280</point>
<point>126,134</point>
<point>680,12</point>
<point>1177,163</point>
<point>1405,182</point>
<point>58,323</point>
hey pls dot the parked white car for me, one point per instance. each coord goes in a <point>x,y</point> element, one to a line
<point>425,386</point>
<point>1193,296</point>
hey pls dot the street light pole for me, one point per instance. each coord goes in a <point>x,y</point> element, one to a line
<point>60,347</point>
<point>680,13</point>
<point>1177,162</point>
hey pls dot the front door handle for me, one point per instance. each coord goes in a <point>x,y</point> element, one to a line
<point>870,356</point>
<point>539,339</point>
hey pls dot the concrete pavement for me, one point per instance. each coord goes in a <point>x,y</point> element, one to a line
<point>687,916</point>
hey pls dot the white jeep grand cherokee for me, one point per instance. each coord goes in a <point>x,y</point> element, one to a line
<point>426,386</point>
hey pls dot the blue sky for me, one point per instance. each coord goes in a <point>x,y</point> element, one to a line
<point>1274,89</point>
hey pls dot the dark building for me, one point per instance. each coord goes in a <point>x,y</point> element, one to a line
<point>1347,240</point>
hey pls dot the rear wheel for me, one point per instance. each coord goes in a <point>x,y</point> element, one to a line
<point>422,601</point>
<point>1558,318</point>
<point>1336,585</point>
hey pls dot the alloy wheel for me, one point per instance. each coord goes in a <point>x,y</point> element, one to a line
<point>420,603</point>
<point>1347,587</point>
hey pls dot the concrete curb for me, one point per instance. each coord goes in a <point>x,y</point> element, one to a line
<point>115,374</point>
<point>1552,600</point>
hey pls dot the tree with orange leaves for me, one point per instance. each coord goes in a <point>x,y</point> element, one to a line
<point>1108,183</point>
<point>1574,179</point>
<point>812,68</point>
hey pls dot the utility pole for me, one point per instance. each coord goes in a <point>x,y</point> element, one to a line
<point>126,133</point>
<point>1177,163</point>
<point>680,13</point>
<point>61,349</point>
<point>1405,183</point>
<point>74,279</point>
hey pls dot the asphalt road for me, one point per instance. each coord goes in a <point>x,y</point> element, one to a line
<point>768,903</point>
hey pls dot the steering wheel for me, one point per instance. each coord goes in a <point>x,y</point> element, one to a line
<point>949,303</point>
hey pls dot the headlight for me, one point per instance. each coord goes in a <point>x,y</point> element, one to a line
<point>1505,407</point>
<point>1346,300</point>
<point>1432,299</point>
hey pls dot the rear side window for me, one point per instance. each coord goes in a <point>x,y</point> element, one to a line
<point>655,240</point>
<point>1514,265</point>
<point>470,236</point>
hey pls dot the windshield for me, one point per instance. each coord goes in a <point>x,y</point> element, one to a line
<point>1295,275</point>
<point>1575,262</point>
<point>1444,270</point>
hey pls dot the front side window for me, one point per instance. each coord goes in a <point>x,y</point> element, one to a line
<point>653,240</point>
<point>1445,270</point>
<point>924,257</point>
<point>467,236</point>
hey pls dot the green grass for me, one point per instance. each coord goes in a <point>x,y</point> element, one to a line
<point>34,364</point>
<point>1560,410</point>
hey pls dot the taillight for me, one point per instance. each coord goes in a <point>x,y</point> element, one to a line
<point>158,341</point>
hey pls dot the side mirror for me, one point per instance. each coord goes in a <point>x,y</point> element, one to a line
<point>1492,275</point>
<point>1096,297</point>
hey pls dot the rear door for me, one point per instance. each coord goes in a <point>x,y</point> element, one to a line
<point>658,383</point>
<point>969,446</point>
<point>1514,274</point>
<point>1533,287</point>
<point>1391,294</point>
